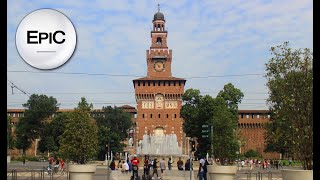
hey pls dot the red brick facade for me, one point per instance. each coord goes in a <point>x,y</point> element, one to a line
<point>158,95</point>
<point>251,126</point>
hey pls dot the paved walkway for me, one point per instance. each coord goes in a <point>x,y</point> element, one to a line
<point>101,173</point>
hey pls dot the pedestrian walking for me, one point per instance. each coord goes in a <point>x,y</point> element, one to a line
<point>251,164</point>
<point>202,172</point>
<point>155,167</point>
<point>162,165</point>
<point>170,162</point>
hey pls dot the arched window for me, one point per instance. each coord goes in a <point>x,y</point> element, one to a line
<point>159,40</point>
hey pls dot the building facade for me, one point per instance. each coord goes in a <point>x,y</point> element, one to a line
<point>159,94</point>
<point>251,126</point>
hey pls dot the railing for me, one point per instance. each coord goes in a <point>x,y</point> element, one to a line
<point>258,176</point>
<point>35,174</point>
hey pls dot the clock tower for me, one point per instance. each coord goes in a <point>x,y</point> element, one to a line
<point>159,94</point>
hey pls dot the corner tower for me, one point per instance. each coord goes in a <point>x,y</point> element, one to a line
<point>159,94</point>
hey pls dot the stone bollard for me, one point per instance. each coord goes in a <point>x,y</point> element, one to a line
<point>217,172</point>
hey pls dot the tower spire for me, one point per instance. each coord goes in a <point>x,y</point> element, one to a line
<point>158,7</point>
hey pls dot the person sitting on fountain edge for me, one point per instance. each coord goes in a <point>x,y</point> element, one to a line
<point>180,164</point>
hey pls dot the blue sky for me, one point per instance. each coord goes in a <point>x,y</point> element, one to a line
<point>208,38</point>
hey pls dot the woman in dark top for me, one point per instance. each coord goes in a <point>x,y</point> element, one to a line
<point>113,165</point>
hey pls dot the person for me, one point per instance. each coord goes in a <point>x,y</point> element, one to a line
<point>50,164</point>
<point>125,167</point>
<point>187,165</point>
<point>135,165</point>
<point>170,162</point>
<point>162,165</point>
<point>155,167</point>
<point>146,166</point>
<point>23,161</point>
<point>202,172</point>
<point>129,164</point>
<point>279,163</point>
<point>61,166</point>
<point>56,166</point>
<point>242,163</point>
<point>112,165</point>
<point>151,167</point>
<point>251,164</point>
<point>180,164</point>
<point>276,163</point>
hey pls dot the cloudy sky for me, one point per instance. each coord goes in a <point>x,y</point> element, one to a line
<point>211,40</point>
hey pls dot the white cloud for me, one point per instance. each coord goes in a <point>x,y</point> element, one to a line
<point>207,38</point>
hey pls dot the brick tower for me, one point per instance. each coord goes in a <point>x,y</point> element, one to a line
<point>158,95</point>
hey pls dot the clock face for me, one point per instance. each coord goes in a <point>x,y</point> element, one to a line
<point>159,66</point>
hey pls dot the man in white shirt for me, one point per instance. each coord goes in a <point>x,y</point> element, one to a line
<point>202,169</point>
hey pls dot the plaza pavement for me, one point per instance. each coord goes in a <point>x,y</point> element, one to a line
<point>101,173</point>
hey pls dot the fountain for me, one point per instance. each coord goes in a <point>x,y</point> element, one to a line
<point>159,145</point>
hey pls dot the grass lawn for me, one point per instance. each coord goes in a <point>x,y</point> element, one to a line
<point>297,163</point>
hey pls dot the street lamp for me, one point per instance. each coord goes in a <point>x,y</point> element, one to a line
<point>134,134</point>
<point>238,159</point>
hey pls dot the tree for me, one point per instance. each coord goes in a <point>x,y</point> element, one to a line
<point>31,126</point>
<point>79,141</point>
<point>232,97</point>
<point>225,141</point>
<point>84,106</point>
<point>51,135</point>
<point>252,154</point>
<point>290,83</point>
<point>220,113</point>
<point>113,124</point>
<point>190,113</point>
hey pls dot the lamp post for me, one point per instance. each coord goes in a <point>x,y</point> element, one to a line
<point>134,134</point>
<point>190,162</point>
<point>108,156</point>
<point>238,159</point>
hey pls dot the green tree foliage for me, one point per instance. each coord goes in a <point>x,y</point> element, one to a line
<point>232,97</point>
<point>31,125</point>
<point>252,154</point>
<point>79,141</point>
<point>220,112</point>
<point>290,83</point>
<point>84,106</point>
<point>51,135</point>
<point>10,141</point>
<point>113,124</point>
<point>190,113</point>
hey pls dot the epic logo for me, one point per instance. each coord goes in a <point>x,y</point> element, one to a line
<point>44,36</point>
<point>46,39</point>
